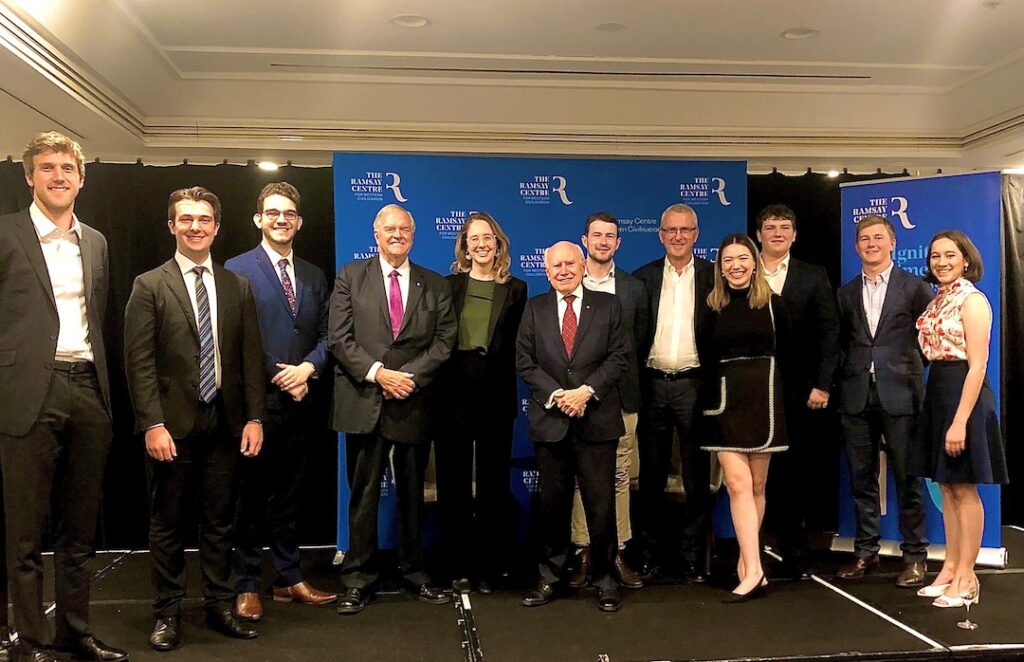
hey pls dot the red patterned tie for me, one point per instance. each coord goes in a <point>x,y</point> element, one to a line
<point>569,324</point>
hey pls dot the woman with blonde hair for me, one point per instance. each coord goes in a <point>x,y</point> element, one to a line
<point>744,416</point>
<point>479,388</point>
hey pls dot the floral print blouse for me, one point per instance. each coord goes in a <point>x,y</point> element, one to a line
<point>940,332</point>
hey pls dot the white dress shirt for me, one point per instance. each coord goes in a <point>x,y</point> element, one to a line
<point>186,265</point>
<point>577,307</point>
<point>403,286</point>
<point>62,253</point>
<point>276,257</point>
<point>675,347</point>
<point>606,284</point>
<point>777,279</point>
<point>873,296</point>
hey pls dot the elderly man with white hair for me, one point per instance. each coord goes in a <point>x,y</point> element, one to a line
<point>572,351</point>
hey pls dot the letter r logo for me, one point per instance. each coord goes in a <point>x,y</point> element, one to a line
<point>393,186</point>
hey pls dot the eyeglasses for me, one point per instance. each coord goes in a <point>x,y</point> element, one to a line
<point>480,239</point>
<point>674,231</point>
<point>274,214</point>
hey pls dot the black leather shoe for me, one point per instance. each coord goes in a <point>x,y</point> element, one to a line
<point>5,638</point>
<point>609,599</point>
<point>166,634</point>
<point>462,585</point>
<point>649,570</point>
<point>580,575</point>
<point>692,571</point>
<point>912,575</point>
<point>857,568</point>
<point>539,595</point>
<point>432,595</point>
<point>223,621</point>
<point>91,648</point>
<point>353,601</point>
<point>758,591</point>
<point>485,586</point>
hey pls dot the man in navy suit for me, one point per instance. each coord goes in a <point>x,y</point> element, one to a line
<point>572,351</point>
<point>880,395</point>
<point>799,487</point>
<point>291,304</point>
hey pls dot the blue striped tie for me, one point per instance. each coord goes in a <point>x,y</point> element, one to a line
<point>207,359</point>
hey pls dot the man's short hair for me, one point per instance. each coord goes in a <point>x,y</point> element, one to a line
<point>679,208</point>
<point>283,189</point>
<point>193,194</point>
<point>873,220</point>
<point>378,220</point>
<point>579,251</point>
<point>603,217</point>
<point>781,212</point>
<point>52,141</point>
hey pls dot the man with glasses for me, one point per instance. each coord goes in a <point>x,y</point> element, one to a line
<point>677,286</point>
<point>291,303</point>
<point>391,327</point>
<point>194,362</point>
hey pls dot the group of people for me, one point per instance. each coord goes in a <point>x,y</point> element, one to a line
<point>735,358</point>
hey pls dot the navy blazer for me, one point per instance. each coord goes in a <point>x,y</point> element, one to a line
<point>894,348</point>
<point>599,358</point>
<point>287,338</point>
<point>810,356</point>
<point>636,311</point>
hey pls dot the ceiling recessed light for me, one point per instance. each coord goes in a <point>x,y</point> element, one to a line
<point>410,21</point>
<point>799,33</point>
<point>1014,171</point>
<point>833,173</point>
<point>610,26</point>
<point>267,165</point>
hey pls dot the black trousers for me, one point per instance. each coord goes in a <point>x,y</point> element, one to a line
<point>862,435</point>
<point>198,485</point>
<point>592,464</point>
<point>368,456</point>
<point>670,408</point>
<point>269,498</point>
<point>802,492</point>
<point>59,464</point>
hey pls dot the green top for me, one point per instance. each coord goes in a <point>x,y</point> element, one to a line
<point>476,315</point>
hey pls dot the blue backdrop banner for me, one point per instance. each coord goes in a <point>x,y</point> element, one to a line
<point>537,201</point>
<point>918,208</point>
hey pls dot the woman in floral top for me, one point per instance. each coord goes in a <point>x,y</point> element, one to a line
<point>961,445</point>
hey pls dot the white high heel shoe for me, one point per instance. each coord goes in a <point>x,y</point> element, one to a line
<point>933,591</point>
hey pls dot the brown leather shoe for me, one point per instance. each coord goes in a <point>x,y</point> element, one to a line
<point>248,607</point>
<point>912,575</point>
<point>857,568</point>
<point>304,594</point>
<point>580,575</point>
<point>626,576</point>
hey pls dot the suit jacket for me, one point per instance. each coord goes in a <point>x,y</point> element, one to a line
<point>29,323</point>
<point>651,275</point>
<point>810,357</point>
<point>636,312</point>
<point>600,357</point>
<point>359,334</point>
<point>506,312</point>
<point>287,337</point>
<point>161,351</point>
<point>894,349</point>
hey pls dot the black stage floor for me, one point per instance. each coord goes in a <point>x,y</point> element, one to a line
<point>815,618</point>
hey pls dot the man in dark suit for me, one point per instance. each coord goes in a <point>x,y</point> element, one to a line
<point>291,302</point>
<point>677,287</point>
<point>808,362</point>
<point>391,328</point>
<point>601,240</point>
<point>572,351</point>
<point>881,390</point>
<point>194,363</point>
<point>55,427</point>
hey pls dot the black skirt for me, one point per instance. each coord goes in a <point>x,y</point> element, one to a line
<point>983,459</point>
<point>750,413</point>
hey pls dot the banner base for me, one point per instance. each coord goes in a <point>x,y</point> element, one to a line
<point>991,557</point>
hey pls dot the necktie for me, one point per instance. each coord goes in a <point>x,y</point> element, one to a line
<point>569,324</point>
<point>207,360</point>
<point>286,283</point>
<point>395,306</point>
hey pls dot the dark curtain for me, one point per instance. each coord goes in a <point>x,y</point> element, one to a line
<point>127,203</point>
<point>1013,337</point>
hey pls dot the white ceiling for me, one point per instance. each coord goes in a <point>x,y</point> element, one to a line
<point>885,83</point>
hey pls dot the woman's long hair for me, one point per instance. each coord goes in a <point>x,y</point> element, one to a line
<point>760,292</point>
<point>502,248</point>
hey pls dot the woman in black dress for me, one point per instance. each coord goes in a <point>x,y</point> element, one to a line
<point>480,403</point>
<point>744,416</point>
<point>961,444</point>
